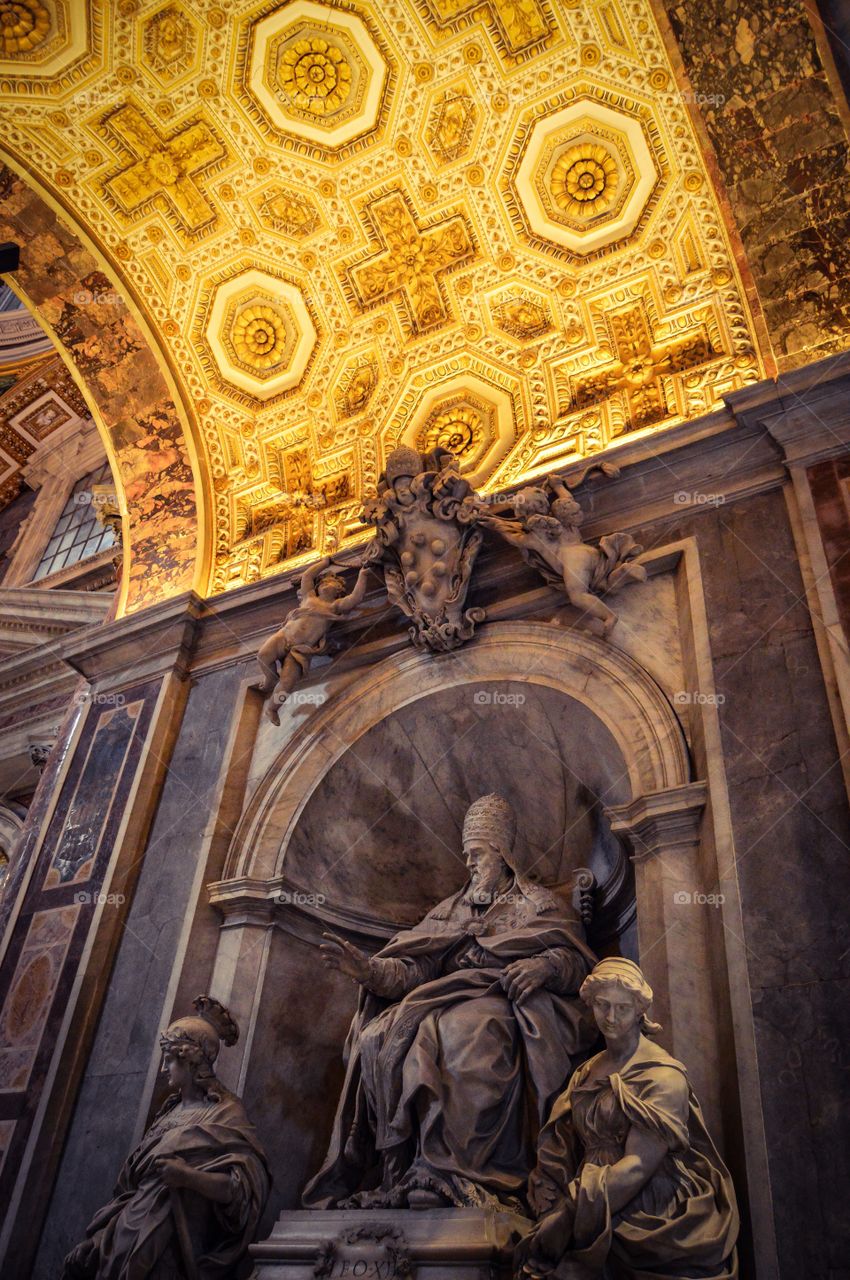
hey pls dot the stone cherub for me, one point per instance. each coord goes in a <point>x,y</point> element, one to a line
<point>546,530</point>
<point>467,1026</point>
<point>628,1182</point>
<point>189,1197</point>
<point>285,657</point>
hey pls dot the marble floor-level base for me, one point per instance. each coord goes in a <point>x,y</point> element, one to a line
<point>386,1244</point>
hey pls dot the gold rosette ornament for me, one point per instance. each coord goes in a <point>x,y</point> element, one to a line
<point>316,76</point>
<point>584,180</point>
<point>24,24</point>
<point>259,337</point>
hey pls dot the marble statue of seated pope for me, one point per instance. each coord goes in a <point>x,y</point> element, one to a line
<point>468,1026</point>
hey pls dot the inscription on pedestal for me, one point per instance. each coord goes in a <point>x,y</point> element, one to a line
<point>373,1252</point>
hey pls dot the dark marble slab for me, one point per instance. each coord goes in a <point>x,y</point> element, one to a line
<point>107,1109</point>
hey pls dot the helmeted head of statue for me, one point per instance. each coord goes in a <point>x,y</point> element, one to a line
<point>190,1045</point>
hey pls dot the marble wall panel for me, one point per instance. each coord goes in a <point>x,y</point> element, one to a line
<point>107,1111</point>
<point>772,110</point>
<point>791,829</point>
<point>90,805</point>
<point>31,990</point>
<point>49,933</point>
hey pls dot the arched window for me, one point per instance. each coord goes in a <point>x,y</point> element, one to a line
<point>78,534</point>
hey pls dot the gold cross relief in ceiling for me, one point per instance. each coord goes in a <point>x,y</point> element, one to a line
<point>410,262</point>
<point>166,167</point>
<point>640,367</point>
<point>520,23</point>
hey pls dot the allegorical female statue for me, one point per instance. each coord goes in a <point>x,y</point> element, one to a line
<point>628,1183</point>
<point>467,1027</point>
<point>189,1197</point>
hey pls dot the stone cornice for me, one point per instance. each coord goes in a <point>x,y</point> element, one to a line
<point>660,822</point>
<point>47,613</point>
<point>41,621</point>
<point>248,901</point>
<point>807,411</point>
<point>140,646</point>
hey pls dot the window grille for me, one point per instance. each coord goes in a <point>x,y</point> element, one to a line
<point>78,534</point>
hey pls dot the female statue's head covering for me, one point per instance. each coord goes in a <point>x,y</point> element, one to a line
<point>626,974</point>
<point>197,1039</point>
<point>491,818</point>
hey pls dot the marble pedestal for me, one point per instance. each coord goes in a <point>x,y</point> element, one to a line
<point>393,1244</point>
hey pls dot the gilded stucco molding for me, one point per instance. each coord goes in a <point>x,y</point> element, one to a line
<point>442,193</point>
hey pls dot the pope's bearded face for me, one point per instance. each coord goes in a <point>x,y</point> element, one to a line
<point>487,870</point>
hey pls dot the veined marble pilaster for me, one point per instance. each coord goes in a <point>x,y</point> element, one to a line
<point>70,903</point>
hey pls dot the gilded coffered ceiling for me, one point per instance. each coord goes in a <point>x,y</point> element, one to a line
<point>352,225</point>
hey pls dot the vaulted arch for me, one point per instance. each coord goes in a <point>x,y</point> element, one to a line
<point>123,375</point>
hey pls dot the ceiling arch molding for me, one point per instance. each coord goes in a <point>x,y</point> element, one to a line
<point>124,377</point>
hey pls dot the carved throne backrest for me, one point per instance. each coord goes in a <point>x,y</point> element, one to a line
<point>579,890</point>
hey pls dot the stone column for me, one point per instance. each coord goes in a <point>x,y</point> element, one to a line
<point>662,833</point>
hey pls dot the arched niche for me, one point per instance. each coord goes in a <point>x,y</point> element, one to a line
<point>629,738</point>
<point>380,837</point>
<point>595,736</point>
<point>123,378</point>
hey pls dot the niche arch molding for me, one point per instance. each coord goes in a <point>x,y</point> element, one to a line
<point>615,689</point>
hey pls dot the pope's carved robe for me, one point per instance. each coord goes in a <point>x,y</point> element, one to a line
<point>444,1073</point>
